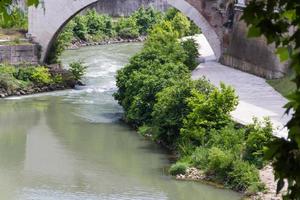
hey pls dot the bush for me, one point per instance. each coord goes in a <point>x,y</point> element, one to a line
<point>178,168</point>
<point>219,162</point>
<point>171,13</point>
<point>24,73</point>
<point>191,50</point>
<point>171,106</point>
<point>245,176</point>
<point>259,134</point>
<point>94,22</point>
<point>78,70</point>
<point>228,138</point>
<point>194,29</point>
<point>210,111</point>
<point>199,157</point>
<point>127,28</point>
<point>18,19</point>
<point>181,24</point>
<point>156,67</point>
<point>41,76</point>
<point>80,28</point>
<point>146,18</point>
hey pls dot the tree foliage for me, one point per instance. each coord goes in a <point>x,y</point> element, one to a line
<point>6,8</point>
<point>279,22</point>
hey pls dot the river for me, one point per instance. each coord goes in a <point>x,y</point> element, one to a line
<point>71,145</point>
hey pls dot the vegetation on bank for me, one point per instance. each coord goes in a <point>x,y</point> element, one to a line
<point>32,79</point>
<point>192,117</point>
<point>95,27</point>
<point>17,20</point>
<point>284,85</point>
<point>279,23</point>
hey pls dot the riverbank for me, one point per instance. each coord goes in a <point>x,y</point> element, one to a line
<point>76,44</point>
<point>25,80</point>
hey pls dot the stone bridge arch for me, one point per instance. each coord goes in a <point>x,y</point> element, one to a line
<point>218,19</point>
<point>47,20</point>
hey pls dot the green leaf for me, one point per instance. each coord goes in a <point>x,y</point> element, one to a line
<point>254,31</point>
<point>33,2</point>
<point>283,53</point>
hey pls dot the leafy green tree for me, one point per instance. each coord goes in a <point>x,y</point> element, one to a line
<point>171,13</point>
<point>171,107</point>
<point>78,69</point>
<point>194,29</point>
<point>95,22</point>
<point>5,8</point>
<point>146,18</point>
<point>279,22</point>
<point>18,19</point>
<point>80,28</point>
<point>191,49</point>
<point>258,135</point>
<point>210,111</point>
<point>181,24</point>
<point>127,28</point>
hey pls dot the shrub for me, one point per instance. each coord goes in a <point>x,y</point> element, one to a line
<point>178,168</point>
<point>18,19</point>
<point>228,138</point>
<point>208,112</point>
<point>94,22</point>
<point>78,70</point>
<point>58,79</point>
<point>171,107</point>
<point>80,28</point>
<point>24,73</point>
<point>127,28</point>
<point>41,76</point>
<point>219,161</point>
<point>199,157</point>
<point>171,13</point>
<point>194,29</point>
<point>7,70</point>
<point>259,134</point>
<point>181,24</point>
<point>244,176</point>
<point>156,67</point>
<point>191,50</point>
<point>146,18</point>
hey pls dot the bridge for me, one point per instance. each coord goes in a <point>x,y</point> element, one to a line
<point>219,21</point>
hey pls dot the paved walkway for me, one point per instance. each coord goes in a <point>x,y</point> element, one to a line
<point>257,97</point>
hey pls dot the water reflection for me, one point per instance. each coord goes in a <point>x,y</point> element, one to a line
<point>71,145</point>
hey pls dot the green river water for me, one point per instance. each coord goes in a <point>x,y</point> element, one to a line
<point>71,145</point>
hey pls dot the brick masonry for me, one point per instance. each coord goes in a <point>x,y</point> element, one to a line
<point>18,54</point>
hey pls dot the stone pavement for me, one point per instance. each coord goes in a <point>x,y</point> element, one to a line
<point>257,97</point>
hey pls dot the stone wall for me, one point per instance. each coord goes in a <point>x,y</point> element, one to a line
<point>18,54</point>
<point>117,7</point>
<point>126,7</point>
<point>252,55</point>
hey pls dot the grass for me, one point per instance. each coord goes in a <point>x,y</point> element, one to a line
<point>283,85</point>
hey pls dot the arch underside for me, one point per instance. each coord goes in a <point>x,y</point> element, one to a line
<point>47,20</point>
